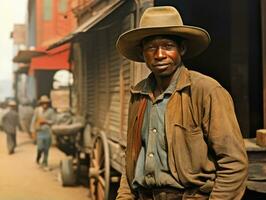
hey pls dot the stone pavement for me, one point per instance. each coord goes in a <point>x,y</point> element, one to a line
<point>22,179</point>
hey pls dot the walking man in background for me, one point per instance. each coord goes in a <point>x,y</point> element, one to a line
<point>3,110</point>
<point>43,118</point>
<point>10,124</point>
<point>183,139</point>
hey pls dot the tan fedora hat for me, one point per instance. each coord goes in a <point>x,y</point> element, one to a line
<point>162,20</point>
<point>44,99</point>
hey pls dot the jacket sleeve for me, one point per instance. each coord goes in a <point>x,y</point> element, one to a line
<point>226,141</point>
<point>17,120</point>
<point>124,192</point>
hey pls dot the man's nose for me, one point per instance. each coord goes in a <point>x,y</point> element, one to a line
<point>160,53</point>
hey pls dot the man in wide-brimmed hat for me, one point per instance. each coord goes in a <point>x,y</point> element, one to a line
<point>10,124</point>
<point>183,139</point>
<point>44,116</point>
<point>44,100</point>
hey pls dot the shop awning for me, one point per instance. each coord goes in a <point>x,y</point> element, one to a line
<point>24,56</point>
<point>97,17</point>
<point>55,59</point>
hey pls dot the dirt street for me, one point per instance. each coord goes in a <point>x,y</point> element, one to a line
<point>22,179</point>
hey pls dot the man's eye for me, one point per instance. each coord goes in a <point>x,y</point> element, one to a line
<point>170,46</point>
<point>150,48</point>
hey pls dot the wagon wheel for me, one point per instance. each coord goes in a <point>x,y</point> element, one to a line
<point>99,181</point>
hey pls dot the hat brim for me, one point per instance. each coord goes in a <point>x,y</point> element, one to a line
<point>196,40</point>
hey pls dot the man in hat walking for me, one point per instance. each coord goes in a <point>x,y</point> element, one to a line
<point>183,139</point>
<point>10,123</point>
<point>43,118</point>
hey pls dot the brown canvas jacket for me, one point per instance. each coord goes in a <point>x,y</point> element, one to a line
<point>205,145</point>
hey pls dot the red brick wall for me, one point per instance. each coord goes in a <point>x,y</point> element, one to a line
<point>60,25</point>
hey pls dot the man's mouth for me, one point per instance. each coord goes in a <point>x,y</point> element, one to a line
<point>161,66</point>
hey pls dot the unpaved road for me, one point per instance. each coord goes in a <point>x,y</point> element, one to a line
<point>22,179</point>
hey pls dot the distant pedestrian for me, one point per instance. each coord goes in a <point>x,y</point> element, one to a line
<point>25,110</point>
<point>3,110</point>
<point>33,123</point>
<point>10,123</point>
<point>43,118</point>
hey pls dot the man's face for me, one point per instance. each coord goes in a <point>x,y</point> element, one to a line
<point>44,105</point>
<point>162,55</point>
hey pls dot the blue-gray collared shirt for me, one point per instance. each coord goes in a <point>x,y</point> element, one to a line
<point>152,165</point>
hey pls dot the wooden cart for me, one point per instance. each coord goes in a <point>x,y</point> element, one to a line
<point>101,93</point>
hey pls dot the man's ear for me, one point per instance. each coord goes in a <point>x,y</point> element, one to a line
<point>183,48</point>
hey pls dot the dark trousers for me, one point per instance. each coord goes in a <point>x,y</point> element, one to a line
<point>11,142</point>
<point>43,146</point>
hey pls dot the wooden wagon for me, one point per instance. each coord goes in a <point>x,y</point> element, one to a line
<point>101,93</point>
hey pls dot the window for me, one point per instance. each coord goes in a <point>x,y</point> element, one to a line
<point>47,10</point>
<point>62,6</point>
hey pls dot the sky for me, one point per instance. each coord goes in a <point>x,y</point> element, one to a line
<point>11,12</point>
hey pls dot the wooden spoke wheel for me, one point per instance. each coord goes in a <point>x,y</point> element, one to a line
<point>99,173</point>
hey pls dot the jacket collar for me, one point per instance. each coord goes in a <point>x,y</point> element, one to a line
<point>144,86</point>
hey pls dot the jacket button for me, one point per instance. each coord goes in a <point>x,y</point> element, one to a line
<point>154,130</point>
<point>151,155</point>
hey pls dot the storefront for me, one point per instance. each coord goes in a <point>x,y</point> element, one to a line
<point>43,68</point>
